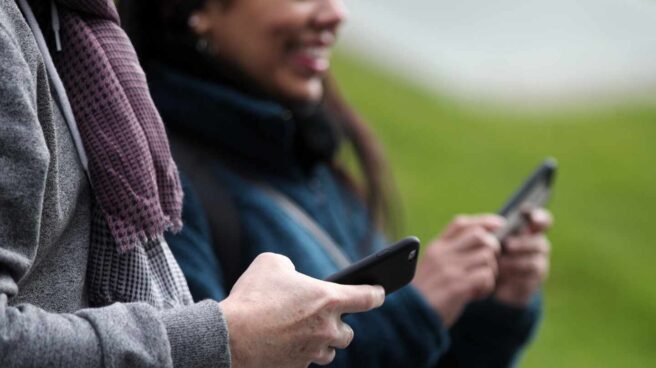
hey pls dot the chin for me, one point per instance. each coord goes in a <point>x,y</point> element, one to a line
<point>306,92</point>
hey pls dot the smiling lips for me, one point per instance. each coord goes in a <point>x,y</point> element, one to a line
<point>312,57</point>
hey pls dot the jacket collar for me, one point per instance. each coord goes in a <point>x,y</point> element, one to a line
<point>252,130</point>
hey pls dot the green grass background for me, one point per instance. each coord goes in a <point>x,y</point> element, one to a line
<point>451,158</point>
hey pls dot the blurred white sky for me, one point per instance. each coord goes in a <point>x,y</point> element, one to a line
<point>518,50</point>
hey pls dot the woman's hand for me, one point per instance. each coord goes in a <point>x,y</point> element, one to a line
<point>278,317</point>
<point>460,266</point>
<point>524,264</point>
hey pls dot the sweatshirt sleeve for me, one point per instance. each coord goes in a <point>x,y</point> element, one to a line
<point>120,335</point>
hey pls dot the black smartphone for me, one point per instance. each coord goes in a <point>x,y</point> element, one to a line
<point>534,193</point>
<point>392,267</point>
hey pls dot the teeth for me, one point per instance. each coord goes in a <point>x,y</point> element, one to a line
<point>316,52</point>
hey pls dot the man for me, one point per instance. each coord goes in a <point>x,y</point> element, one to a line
<point>87,188</point>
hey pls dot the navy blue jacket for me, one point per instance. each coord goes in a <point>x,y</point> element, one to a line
<point>405,331</point>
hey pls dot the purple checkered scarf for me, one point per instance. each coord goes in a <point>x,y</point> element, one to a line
<point>134,178</point>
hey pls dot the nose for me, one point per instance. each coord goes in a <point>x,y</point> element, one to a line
<point>331,14</point>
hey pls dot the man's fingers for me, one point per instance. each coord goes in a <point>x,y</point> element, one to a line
<point>344,336</point>
<point>460,223</point>
<point>274,260</point>
<point>359,298</point>
<point>325,356</point>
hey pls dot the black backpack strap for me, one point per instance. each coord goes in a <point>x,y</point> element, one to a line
<point>194,160</point>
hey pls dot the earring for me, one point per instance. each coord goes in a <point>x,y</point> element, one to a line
<point>202,43</point>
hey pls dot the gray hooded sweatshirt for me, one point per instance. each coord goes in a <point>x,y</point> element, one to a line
<point>45,203</point>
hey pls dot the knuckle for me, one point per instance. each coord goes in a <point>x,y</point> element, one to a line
<point>493,242</point>
<point>283,260</point>
<point>460,221</point>
<point>332,334</point>
<point>264,257</point>
<point>324,356</point>
<point>482,237</point>
<point>331,298</point>
<point>318,357</point>
<point>274,259</point>
<point>350,334</point>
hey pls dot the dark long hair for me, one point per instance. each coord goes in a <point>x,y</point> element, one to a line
<point>159,31</point>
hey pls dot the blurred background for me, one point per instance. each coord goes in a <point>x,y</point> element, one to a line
<point>469,96</point>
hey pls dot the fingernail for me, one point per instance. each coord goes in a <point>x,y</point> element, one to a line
<point>493,240</point>
<point>381,292</point>
<point>539,216</point>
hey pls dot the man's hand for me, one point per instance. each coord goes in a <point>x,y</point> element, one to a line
<point>460,266</point>
<point>278,317</point>
<point>524,264</point>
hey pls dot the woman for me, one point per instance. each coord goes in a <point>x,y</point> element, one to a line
<point>242,86</point>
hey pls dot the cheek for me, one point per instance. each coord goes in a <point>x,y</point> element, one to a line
<point>262,50</point>
<point>254,52</point>
<point>273,68</point>
<point>286,77</point>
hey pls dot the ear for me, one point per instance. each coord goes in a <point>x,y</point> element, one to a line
<point>204,19</point>
<point>200,21</point>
